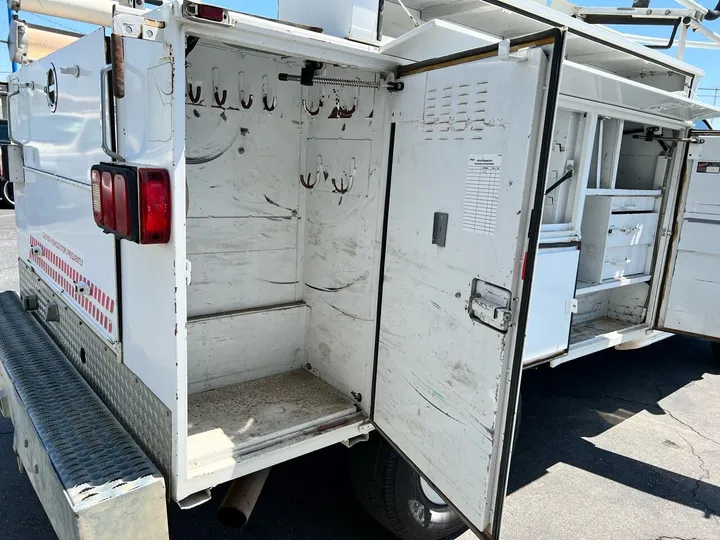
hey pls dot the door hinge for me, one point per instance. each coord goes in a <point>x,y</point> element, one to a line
<point>571,305</point>
<point>188,273</point>
<point>490,305</point>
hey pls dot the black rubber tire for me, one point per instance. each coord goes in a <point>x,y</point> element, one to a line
<point>715,346</point>
<point>389,490</point>
<point>8,195</point>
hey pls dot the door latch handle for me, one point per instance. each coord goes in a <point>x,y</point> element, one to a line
<point>490,305</point>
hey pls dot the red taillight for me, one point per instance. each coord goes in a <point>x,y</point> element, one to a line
<point>211,13</point>
<point>155,215</point>
<point>107,200</point>
<point>123,225</point>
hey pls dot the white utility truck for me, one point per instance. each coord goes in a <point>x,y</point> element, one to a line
<point>241,240</point>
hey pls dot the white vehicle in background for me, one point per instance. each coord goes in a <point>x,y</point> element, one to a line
<point>242,240</point>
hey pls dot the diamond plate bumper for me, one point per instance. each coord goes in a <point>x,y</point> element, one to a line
<point>93,481</point>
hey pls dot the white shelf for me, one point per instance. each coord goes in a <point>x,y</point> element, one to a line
<point>584,287</point>
<point>234,420</point>
<point>625,192</point>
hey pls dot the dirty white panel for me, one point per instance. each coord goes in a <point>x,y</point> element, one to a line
<point>439,372</point>
<point>342,233</point>
<point>551,303</point>
<point>691,301</point>
<point>243,180</point>
<point>248,345</point>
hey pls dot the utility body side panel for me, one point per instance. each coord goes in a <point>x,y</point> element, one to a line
<point>690,300</point>
<point>59,127</point>
<point>464,146</point>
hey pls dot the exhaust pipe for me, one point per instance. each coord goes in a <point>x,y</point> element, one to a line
<point>240,500</point>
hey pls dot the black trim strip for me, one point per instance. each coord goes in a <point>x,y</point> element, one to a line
<point>545,37</point>
<point>383,249</point>
<point>533,246</point>
<point>534,16</point>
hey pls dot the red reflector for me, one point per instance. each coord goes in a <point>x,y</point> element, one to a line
<point>122,206</point>
<point>107,200</point>
<point>211,13</point>
<point>96,202</point>
<point>155,212</point>
<point>524,267</point>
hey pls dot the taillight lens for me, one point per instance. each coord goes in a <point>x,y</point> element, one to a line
<point>155,210</point>
<point>96,202</point>
<point>211,13</point>
<point>107,200</point>
<point>123,225</point>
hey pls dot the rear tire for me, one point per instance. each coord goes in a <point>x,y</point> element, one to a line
<point>8,194</point>
<point>392,492</point>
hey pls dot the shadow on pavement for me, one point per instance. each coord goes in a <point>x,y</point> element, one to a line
<point>583,399</point>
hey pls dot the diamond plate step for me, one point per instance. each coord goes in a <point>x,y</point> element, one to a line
<point>93,480</point>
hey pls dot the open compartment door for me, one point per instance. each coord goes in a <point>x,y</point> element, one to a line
<point>690,302</point>
<point>462,174</point>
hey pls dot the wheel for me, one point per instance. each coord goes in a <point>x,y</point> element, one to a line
<point>8,193</point>
<point>399,498</point>
<point>715,346</point>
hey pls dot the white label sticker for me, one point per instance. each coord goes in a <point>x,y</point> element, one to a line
<point>482,189</point>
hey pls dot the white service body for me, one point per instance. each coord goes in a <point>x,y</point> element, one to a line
<point>308,293</point>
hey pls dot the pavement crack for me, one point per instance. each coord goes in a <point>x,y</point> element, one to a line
<point>699,481</point>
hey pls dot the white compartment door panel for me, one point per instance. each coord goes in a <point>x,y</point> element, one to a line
<point>56,110</point>
<point>464,146</point>
<point>55,113</point>
<point>552,303</point>
<point>691,300</point>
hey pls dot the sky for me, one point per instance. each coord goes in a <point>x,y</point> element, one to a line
<point>709,60</point>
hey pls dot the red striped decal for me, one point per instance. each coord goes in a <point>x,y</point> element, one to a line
<point>65,276</point>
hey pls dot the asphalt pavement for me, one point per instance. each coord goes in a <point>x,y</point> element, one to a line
<point>617,446</point>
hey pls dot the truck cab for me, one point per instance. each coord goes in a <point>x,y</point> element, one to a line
<point>245,240</point>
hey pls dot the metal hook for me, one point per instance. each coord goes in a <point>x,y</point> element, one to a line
<point>307,184</point>
<point>316,111</point>
<point>241,89</point>
<point>347,113</point>
<point>351,180</point>
<point>216,88</point>
<point>266,105</point>
<point>220,101</point>
<point>194,98</point>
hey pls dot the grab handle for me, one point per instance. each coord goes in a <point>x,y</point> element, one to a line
<point>104,115</point>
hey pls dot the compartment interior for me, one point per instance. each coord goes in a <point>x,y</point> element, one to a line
<point>612,202</point>
<point>621,210</point>
<point>283,228</point>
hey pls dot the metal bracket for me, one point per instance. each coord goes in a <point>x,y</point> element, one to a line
<point>505,54</point>
<point>490,305</point>
<point>188,273</point>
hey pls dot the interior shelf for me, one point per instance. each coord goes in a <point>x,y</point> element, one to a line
<point>617,192</point>
<point>583,287</point>
<point>242,418</point>
<point>596,329</point>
